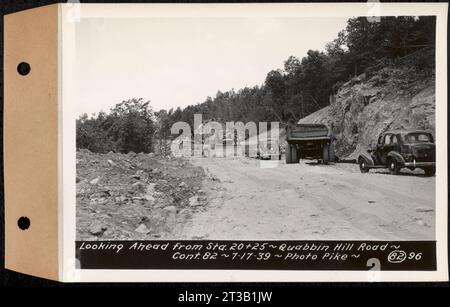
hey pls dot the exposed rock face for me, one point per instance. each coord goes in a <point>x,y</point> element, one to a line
<point>365,107</point>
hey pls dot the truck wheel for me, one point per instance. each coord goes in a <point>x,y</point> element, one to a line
<point>288,154</point>
<point>362,166</point>
<point>430,171</point>
<point>393,166</point>
<point>326,154</point>
<point>294,154</point>
<point>331,153</point>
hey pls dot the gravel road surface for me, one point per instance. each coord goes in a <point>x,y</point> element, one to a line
<point>253,199</point>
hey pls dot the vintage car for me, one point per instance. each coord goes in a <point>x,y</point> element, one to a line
<point>401,149</point>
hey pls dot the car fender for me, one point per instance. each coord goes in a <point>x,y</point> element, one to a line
<point>367,158</point>
<point>398,157</point>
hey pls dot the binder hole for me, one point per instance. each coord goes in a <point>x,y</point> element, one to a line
<point>23,68</point>
<point>23,223</point>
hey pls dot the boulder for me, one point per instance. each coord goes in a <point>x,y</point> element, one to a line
<point>140,175</point>
<point>149,198</point>
<point>185,214</point>
<point>94,181</point>
<point>139,187</point>
<point>193,201</point>
<point>171,209</point>
<point>108,232</point>
<point>121,198</point>
<point>96,228</point>
<point>142,229</point>
<point>150,188</point>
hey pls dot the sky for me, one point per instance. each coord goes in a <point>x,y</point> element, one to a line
<point>178,62</point>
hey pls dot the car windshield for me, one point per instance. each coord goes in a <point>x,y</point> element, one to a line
<point>417,138</point>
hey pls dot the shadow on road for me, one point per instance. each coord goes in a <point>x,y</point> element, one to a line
<point>315,163</point>
<point>403,172</point>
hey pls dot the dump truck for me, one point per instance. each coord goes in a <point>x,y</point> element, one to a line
<point>309,141</point>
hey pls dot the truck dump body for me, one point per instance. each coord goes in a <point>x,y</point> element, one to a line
<point>307,131</point>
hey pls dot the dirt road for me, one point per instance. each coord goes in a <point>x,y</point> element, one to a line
<point>249,200</point>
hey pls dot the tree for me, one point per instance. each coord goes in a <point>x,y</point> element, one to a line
<point>131,125</point>
<point>291,66</point>
<point>128,127</point>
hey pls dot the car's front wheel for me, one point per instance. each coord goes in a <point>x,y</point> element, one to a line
<point>363,166</point>
<point>430,171</point>
<point>394,167</point>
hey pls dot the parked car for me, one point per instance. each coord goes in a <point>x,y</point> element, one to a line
<point>401,149</point>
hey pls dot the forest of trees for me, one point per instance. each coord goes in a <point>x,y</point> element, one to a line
<point>300,88</point>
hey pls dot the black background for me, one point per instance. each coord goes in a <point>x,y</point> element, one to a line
<point>132,259</point>
<point>169,292</point>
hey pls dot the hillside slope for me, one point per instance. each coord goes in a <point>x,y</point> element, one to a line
<point>365,107</point>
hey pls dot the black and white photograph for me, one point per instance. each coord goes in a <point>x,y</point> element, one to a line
<point>352,156</point>
<point>256,128</point>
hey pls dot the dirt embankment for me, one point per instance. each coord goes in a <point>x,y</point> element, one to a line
<point>365,107</point>
<point>135,196</point>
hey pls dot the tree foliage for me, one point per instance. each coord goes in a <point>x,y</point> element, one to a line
<point>129,126</point>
